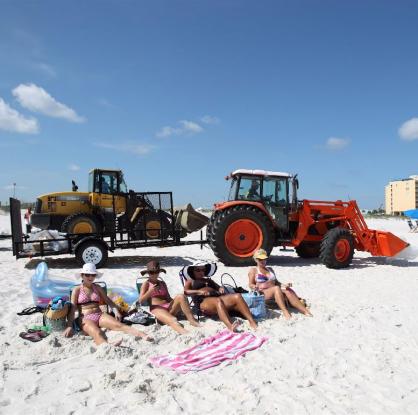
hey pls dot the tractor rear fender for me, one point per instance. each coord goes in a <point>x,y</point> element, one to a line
<point>225,205</point>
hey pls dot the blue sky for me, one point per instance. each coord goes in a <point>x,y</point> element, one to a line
<point>180,93</point>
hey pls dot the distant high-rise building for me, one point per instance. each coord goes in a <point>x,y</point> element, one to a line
<point>401,195</point>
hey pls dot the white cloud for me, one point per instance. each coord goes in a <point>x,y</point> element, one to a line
<point>36,99</point>
<point>73,167</point>
<point>135,148</point>
<point>190,127</point>
<point>186,127</point>
<point>12,120</point>
<point>208,119</point>
<point>409,130</point>
<point>336,144</point>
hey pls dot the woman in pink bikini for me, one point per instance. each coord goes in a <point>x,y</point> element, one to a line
<point>164,308</point>
<point>87,298</point>
<point>263,279</point>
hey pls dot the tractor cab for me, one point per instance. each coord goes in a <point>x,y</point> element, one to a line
<point>107,181</point>
<point>271,189</point>
<point>106,185</point>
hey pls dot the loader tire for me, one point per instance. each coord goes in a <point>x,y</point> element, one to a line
<point>337,248</point>
<point>81,223</point>
<point>236,233</point>
<point>92,250</point>
<point>153,225</point>
<point>308,250</point>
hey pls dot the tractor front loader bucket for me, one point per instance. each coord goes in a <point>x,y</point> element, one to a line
<point>189,219</point>
<point>388,244</point>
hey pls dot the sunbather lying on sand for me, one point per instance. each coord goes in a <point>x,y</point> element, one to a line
<point>211,298</point>
<point>164,308</point>
<point>87,299</point>
<point>262,278</point>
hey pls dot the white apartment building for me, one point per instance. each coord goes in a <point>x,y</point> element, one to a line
<point>401,195</point>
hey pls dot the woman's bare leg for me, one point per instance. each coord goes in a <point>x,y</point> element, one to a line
<point>180,303</point>
<point>214,305</point>
<point>93,330</point>
<point>277,294</point>
<point>166,318</point>
<point>109,322</point>
<point>237,303</point>
<point>295,302</point>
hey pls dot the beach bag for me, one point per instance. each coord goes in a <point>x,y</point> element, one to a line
<point>256,303</point>
<point>56,314</point>
<point>231,288</point>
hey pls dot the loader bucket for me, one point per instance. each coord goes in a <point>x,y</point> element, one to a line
<point>189,220</point>
<point>388,244</point>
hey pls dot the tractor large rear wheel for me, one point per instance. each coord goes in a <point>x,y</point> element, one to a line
<point>337,248</point>
<point>236,233</point>
<point>81,223</point>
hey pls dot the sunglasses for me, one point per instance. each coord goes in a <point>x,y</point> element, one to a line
<point>153,272</point>
<point>200,269</point>
<point>89,275</point>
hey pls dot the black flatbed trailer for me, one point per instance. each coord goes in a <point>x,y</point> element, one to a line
<point>94,247</point>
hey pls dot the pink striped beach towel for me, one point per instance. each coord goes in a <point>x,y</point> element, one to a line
<point>223,346</point>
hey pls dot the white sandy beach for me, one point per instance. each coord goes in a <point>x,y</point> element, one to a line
<point>358,355</point>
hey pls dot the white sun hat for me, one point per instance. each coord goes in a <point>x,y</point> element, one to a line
<point>90,268</point>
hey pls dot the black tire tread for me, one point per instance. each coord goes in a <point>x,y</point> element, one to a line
<point>217,227</point>
<point>69,219</point>
<point>328,243</point>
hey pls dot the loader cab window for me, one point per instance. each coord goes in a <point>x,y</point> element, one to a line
<point>106,182</point>
<point>249,188</point>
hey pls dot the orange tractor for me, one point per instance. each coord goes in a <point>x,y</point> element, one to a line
<point>263,211</point>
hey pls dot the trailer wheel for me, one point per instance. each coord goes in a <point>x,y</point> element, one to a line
<point>337,248</point>
<point>93,251</point>
<point>236,233</point>
<point>152,225</point>
<point>308,250</point>
<point>80,223</point>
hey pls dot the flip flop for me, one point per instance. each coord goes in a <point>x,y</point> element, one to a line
<point>30,310</point>
<point>40,333</point>
<point>32,337</point>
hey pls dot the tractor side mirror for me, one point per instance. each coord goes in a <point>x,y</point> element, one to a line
<point>74,187</point>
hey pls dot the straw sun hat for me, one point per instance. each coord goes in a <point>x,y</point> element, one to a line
<point>152,266</point>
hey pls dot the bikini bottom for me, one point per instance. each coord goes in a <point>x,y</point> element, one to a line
<point>164,306</point>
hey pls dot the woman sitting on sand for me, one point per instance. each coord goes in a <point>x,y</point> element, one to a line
<point>211,298</point>
<point>263,279</point>
<point>87,299</point>
<point>164,308</point>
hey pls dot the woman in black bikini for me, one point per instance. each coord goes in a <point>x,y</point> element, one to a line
<point>212,299</point>
<point>164,308</point>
